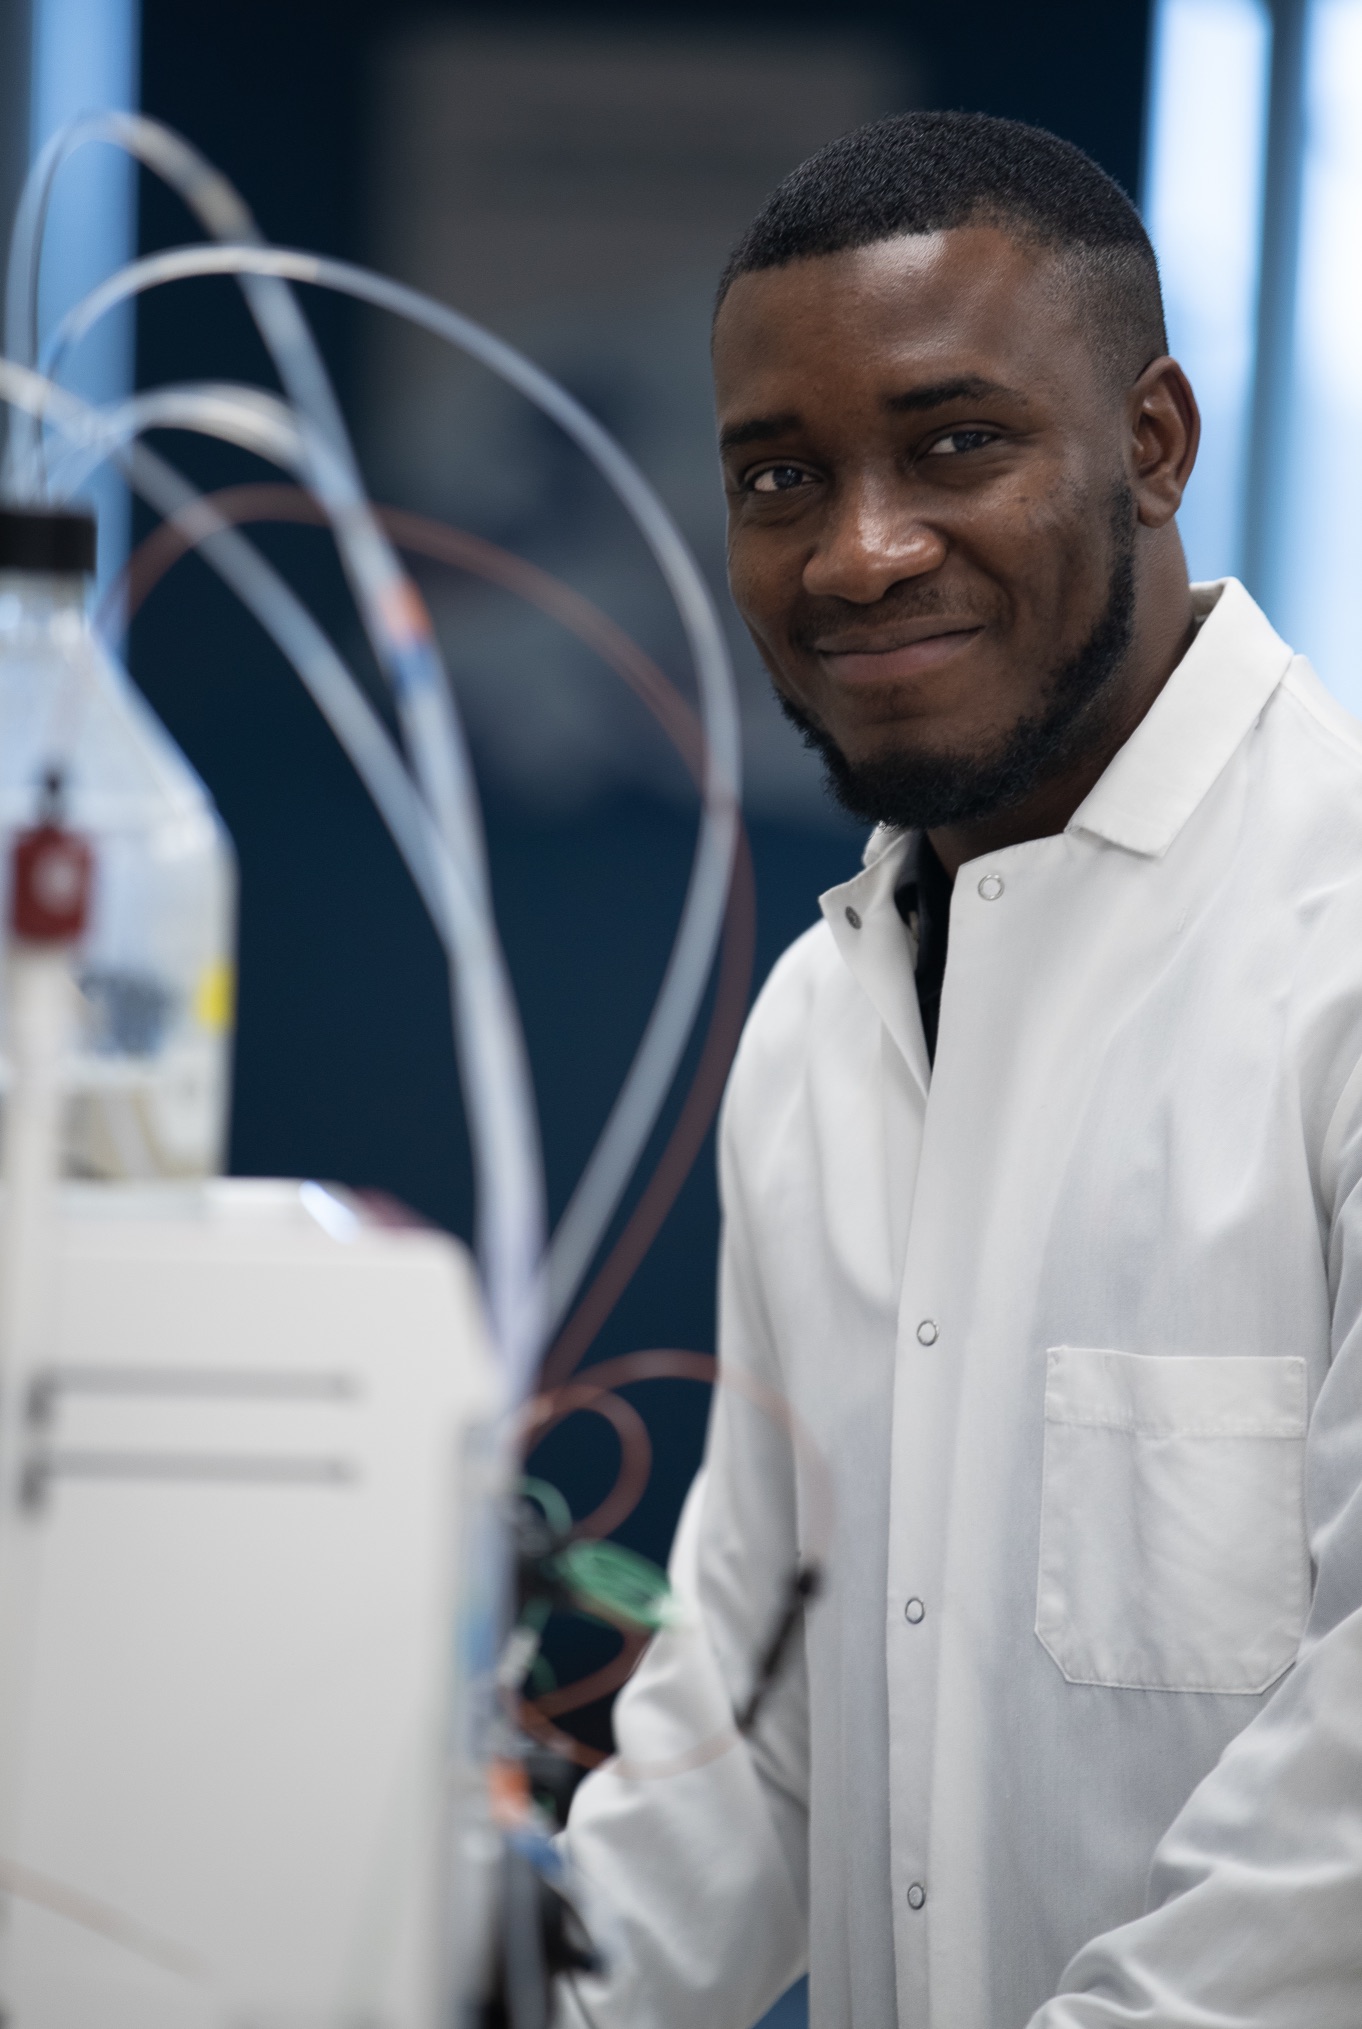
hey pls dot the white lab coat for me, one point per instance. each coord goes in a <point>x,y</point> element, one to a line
<point>1075,1327</point>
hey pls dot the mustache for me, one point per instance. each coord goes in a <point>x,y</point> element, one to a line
<point>817,619</point>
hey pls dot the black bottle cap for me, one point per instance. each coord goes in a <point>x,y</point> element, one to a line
<point>50,539</point>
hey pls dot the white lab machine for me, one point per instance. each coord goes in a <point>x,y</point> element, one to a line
<point>241,1572</point>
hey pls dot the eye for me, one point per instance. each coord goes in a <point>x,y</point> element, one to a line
<point>956,442</point>
<point>777,479</point>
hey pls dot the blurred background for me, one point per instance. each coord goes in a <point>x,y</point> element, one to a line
<point>573,177</point>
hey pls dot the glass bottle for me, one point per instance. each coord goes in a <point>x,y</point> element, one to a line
<point>147,1085</point>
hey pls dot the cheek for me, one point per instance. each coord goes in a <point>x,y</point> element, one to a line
<point>756,581</point>
<point>1050,548</point>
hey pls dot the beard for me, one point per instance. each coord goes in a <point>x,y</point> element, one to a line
<point>920,792</point>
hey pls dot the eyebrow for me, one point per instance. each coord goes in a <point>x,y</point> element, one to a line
<point>966,388</point>
<point>757,430</point>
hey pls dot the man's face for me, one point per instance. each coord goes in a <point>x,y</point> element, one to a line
<point>930,517</point>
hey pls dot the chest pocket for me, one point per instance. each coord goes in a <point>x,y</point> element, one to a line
<point>1172,1544</point>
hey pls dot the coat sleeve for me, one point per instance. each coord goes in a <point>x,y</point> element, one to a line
<point>1254,1910</point>
<point>692,1841</point>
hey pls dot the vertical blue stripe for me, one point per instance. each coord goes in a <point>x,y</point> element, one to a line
<point>85,58</point>
<point>1315,496</point>
<point>1206,133</point>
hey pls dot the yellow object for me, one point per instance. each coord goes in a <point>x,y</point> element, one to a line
<point>215,996</point>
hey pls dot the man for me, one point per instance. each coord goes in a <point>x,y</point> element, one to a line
<point>1042,1282</point>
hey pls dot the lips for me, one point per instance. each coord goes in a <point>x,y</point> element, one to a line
<point>894,664</point>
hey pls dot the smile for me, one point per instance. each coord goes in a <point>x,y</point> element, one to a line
<point>904,659</point>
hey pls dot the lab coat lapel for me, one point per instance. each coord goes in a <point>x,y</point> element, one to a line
<point>1197,721</point>
<point>875,944</point>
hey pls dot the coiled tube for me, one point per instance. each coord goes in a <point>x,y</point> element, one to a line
<point>612,1162</point>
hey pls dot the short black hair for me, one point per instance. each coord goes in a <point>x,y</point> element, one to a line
<point>928,172</point>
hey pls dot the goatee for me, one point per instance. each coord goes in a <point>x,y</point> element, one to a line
<point>919,792</point>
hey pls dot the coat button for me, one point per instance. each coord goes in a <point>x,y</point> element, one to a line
<point>917,1895</point>
<point>854,919</point>
<point>991,886</point>
<point>927,1333</point>
<point>914,1612</point>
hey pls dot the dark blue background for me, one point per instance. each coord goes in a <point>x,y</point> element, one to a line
<point>344,1068</point>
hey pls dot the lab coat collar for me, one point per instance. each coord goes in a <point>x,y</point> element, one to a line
<point>1208,704</point>
<point>1199,718</point>
<point>874,942</point>
<point>1141,803</point>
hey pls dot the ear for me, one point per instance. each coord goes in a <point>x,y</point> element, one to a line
<point>1165,430</point>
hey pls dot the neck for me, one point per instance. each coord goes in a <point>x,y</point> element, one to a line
<point>1164,628</point>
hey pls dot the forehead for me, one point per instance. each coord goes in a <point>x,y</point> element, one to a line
<point>968,303</point>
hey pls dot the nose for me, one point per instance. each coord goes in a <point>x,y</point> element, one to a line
<point>870,541</point>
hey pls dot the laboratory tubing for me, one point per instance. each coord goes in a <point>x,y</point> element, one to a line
<point>598,1191</point>
<point>501,1117</point>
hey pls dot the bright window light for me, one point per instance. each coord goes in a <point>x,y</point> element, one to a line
<point>1204,153</point>
<point>85,58</point>
<point>1317,537</point>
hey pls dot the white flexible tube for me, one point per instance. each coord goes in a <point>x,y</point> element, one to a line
<point>631,1120</point>
<point>495,1074</point>
<point>425,705</point>
<point>392,611</point>
<point>233,411</point>
<point>393,614</point>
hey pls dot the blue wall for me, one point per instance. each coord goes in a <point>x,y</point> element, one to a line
<point>344,1067</point>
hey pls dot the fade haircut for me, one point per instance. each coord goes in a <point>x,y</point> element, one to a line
<point>929,172</point>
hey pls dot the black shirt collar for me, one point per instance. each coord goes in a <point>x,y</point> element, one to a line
<point>922,897</point>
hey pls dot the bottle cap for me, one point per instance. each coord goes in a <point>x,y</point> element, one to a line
<point>60,540</point>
